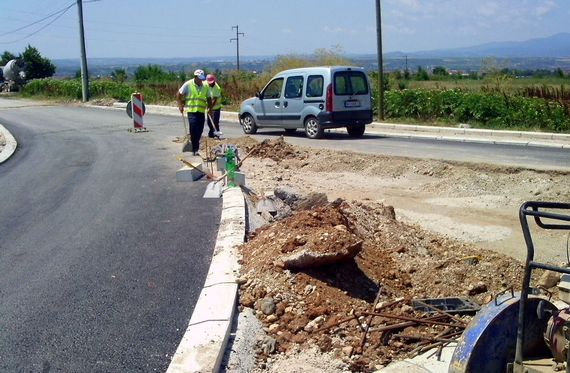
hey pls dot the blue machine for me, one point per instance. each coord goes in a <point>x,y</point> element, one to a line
<point>489,341</point>
<point>520,332</point>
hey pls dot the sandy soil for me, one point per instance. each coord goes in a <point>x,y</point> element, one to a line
<point>424,229</point>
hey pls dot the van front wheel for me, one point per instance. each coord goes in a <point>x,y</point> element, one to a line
<point>248,124</point>
<point>356,130</point>
<point>313,128</point>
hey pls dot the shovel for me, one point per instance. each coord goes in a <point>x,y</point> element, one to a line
<point>213,189</point>
<point>186,146</point>
<point>212,121</point>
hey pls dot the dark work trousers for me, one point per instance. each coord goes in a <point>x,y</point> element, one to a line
<point>216,125</point>
<point>196,121</point>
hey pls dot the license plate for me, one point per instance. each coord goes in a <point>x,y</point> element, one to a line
<point>352,103</point>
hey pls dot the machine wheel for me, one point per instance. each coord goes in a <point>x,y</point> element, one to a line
<point>313,128</point>
<point>290,131</point>
<point>248,124</point>
<point>356,130</point>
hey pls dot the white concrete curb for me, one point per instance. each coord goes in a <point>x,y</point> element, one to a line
<point>409,131</point>
<point>10,147</point>
<point>202,346</point>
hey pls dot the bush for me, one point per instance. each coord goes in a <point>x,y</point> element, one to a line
<point>486,110</point>
<point>72,90</point>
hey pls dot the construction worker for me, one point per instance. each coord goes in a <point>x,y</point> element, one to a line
<point>194,96</point>
<point>215,106</point>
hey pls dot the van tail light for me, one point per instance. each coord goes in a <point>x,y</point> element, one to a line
<point>329,101</point>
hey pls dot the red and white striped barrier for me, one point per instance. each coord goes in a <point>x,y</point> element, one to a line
<point>136,110</point>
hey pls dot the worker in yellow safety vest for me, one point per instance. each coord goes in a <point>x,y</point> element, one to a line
<point>215,106</point>
<point>194,96</point>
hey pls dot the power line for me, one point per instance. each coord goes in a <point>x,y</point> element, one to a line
<point>57,15</point>
<point>62,11</point>
<point>38,30</point>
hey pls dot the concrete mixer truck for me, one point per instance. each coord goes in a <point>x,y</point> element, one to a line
<point>12,76</point>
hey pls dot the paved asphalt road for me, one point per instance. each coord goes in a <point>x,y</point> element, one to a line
<point>506,155</point>
<point>102,253</point>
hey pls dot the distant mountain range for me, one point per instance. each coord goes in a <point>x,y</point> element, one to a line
<point>556,46</point>
<point>542,53</point>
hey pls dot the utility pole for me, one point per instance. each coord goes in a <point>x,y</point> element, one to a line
<point>380,61</point>
<point>84,73</point>
<point>237,42</point>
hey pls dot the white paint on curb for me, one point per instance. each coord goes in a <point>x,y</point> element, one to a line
<point>10,146</point>
<point>202,346</point>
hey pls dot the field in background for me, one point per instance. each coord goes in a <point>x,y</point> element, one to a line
<point>494,98</point>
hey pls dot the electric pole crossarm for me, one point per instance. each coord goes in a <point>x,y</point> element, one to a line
<point>237,42</point>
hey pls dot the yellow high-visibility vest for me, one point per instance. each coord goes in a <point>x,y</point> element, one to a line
<point>216,92</point>
<point>197,98</point>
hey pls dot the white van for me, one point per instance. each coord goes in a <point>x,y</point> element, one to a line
<point>312,98</point>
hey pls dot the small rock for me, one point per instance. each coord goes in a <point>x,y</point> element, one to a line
<point>273,327</point>
<point>478,288</point>
<point>314,324</point>
<point>267,345</point>
<point>549,279</point>
<point>272,318</point>
<point>347,350</point>
<point>267,306</point>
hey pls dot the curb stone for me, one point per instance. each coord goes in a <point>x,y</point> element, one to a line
<point>203,344</point>
<point>409,131</point>
<point>10,147</point>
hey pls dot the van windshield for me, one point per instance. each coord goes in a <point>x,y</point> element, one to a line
<point>350,83</point>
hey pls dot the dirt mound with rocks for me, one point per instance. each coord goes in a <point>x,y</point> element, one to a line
<point>329,303</point>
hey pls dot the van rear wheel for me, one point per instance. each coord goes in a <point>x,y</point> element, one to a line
<point>356,130</point>
<point>248,124</point>
<point>313,128</point>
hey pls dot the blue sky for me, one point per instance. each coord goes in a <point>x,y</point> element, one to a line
<point>203,28</point>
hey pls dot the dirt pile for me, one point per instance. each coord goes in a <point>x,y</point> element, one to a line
<point>329,305</point>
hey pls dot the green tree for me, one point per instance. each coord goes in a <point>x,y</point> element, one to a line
<point>36,66</point>
<point>422,74</point>
<point>5,57</point>
<point>119,75</point>
<point>153,74</point>
<point>439,71</point>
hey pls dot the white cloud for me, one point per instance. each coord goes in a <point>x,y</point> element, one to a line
<point>334,30</point>
<point>287,31</point>
<point>488,9</point>
<point>545,8</point>
<point>414,5</point>
<point>401,30</point>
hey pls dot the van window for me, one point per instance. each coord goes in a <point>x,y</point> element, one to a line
<point>348,83</point>
<point>315,86</point>
<point>294,87</point>
<point>273,89</point>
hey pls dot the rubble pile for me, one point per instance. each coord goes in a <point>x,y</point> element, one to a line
<point>342,276</point>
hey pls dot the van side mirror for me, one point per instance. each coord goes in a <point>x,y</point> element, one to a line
<point>259,95</point>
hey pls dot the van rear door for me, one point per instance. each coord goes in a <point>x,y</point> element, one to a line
<point>351,91</point>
